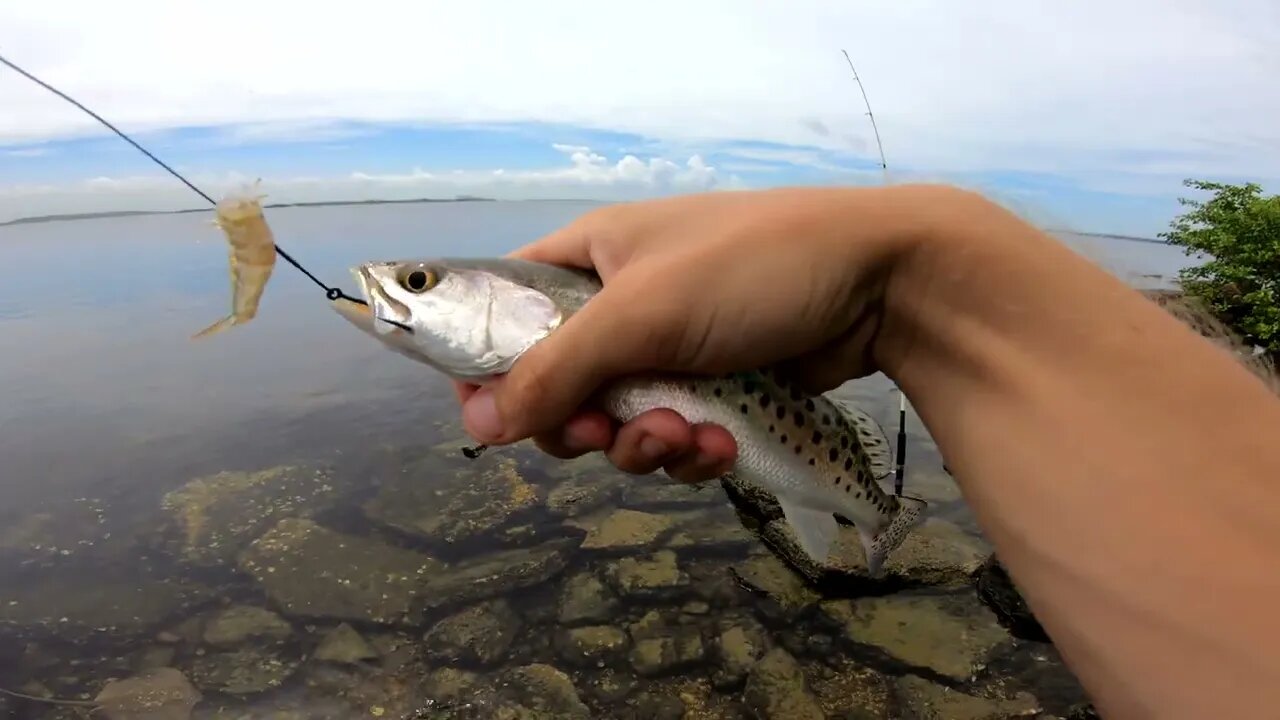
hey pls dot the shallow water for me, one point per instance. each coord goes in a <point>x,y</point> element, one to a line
<point>152,482</point>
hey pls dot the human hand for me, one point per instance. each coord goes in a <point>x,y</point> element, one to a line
<point>705,283</point>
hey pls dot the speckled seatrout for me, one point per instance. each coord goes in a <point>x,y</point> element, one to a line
<point>473,318</point>
<point>252,256</point>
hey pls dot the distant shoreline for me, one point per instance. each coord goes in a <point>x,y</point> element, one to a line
<point>461,198</point>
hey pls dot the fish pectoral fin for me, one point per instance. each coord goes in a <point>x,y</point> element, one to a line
<point>215,328</point>
<point>815,529</point>
<point>877,546</point>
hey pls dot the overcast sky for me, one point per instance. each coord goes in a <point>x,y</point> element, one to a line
<point>1081,114</point>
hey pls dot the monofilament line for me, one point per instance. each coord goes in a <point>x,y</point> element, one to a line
<point>900,471</point>
<point>333,293</point>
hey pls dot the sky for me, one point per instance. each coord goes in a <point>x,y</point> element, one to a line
<point>1082,115</point>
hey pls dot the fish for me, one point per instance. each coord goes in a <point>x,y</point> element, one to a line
<point>473,318</point>
<point>252,256</point>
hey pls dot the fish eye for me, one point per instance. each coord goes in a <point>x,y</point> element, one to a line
<point>419,281</point>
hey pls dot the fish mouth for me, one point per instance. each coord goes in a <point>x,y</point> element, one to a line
<point>388,314</point>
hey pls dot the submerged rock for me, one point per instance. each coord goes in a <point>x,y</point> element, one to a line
<point>243,671</point>
<point>579,496</point>
<point>468,504</point>
<point>211,519</point>
<point>345,646</point>
<point>930,701</point>
<point>499,573</point>
<point>528,692</point>
<point>718,530</point>
<point>74,607</point>
<point>776,690</point>
<point>950,635</point>
<point>848,690</point>
<point>449,685</point>
<point>584,599</point>
<point>656,576</point>
<point>311,571</point>
<point>239,624</point>
<point>997,590</point>
<point>738,648</point>
<point>785,594</point>
<point>44,537</point>
<point>652,492</point>
<point>162,693</point>
<point>593,645</point>
<point>659,648</point>
<point>480,634</point>
<point>936,553</point>
<point>626,529</point>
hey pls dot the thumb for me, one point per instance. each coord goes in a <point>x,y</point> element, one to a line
<point>607,337</point>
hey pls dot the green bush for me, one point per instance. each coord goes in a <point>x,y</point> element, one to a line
<point>1239,231</point>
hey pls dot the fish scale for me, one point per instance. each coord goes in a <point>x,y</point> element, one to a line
<point>473,318</point>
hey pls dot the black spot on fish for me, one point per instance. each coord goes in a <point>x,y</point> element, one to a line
<point>812,461</point>
<point>797,449</point>
<point>717,391</point>
<point>826,419</point>
<point>799,418</point>
<point>847,488</point>
<point>744,408</point>
<point>848,462</point>
<point>808,405</point>
<point>765,400</point>
<point>844,442</point>
<point>781,412</point>
<point>817,437</point>
<point>857,495</point>
<point>784,439</point>
<point>772,429</point>
<point>838,479</point>
<point>832,454</point>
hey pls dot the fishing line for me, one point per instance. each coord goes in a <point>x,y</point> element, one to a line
<point>900,471</point>
<point>332,293</point>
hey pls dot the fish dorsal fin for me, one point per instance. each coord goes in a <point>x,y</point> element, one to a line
<point>871,437</point>
<point>815,530</point>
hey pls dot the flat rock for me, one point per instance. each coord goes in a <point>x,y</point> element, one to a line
<point>655,576</point>
<point>244,671</point>
<point>481,634</point>
<point>850,691</point>
<point>345,646</point>
<point>211,519</point>
<point>467,503</point>
<point>936,553</point>
<point>581,495</point>
<point>716,530</point>
<point>625,529</point>
<point>678,648</point>
<point>950,635</point>
<point>46,537</point>
<point>240,624</point>
<point>930,701</point>
<point>162,693</point>
<point>738,647</point>
<point>313,572</point>
<point>776,690</point>
<point>449,685</point>
<point>495,574</point>
<point>593,645</point>
<point>785,593</point>
<point>71,607</point>
<point>534,692</point>
<point>652,492</point>
<point>586,600</point>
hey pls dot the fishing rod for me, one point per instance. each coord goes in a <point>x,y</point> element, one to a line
<point>332,293</point>
<point>900,469</point>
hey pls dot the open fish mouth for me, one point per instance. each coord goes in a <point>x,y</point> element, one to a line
<point>389,314</point>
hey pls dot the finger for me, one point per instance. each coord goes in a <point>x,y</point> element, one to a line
<point>569,245</point>
<point>715,453</point>
<point>607,338</point>
<point>650,441</point>
<point>464,390</point>
<point>588,431</point>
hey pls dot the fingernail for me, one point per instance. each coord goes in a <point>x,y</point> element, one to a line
<point>480,417</point>
<point>654,448</point>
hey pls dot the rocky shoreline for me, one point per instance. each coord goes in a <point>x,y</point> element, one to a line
<point>516,587</point>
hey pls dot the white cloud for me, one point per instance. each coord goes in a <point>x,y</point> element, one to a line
<point>26,152</point>
<point>588,175</point>
<point>1070,87</point>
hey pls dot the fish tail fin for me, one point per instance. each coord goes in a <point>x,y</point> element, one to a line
<point>216,328</point>
<point>877,546</point>
<point>814,530</point>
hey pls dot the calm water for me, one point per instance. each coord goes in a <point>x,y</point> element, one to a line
<point>106,406</point>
